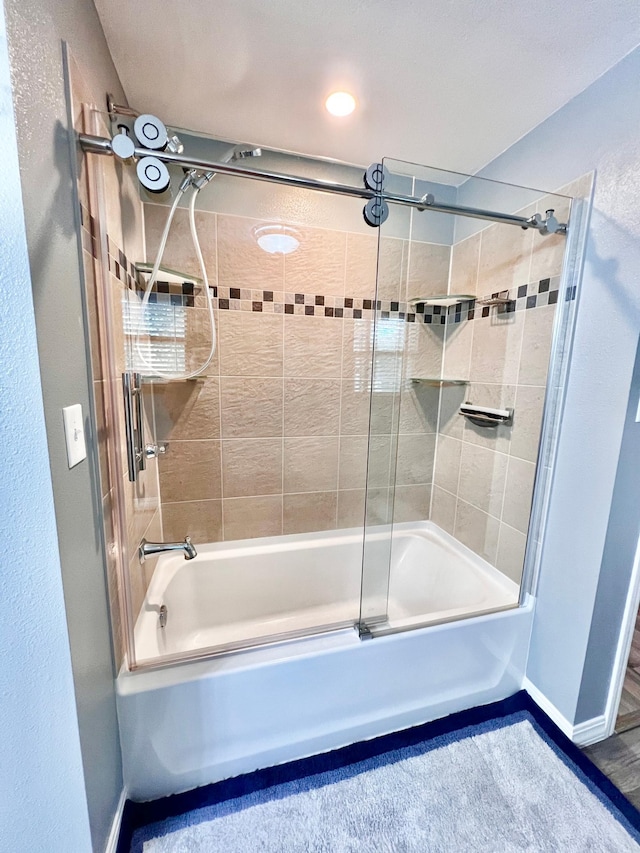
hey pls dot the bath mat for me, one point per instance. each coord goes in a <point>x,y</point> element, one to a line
<point>497,778</point>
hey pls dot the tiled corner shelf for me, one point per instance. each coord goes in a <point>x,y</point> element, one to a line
<point>168,274</point>
<point>164,380</point>
<point>443,299</point>
<point>437,382</point>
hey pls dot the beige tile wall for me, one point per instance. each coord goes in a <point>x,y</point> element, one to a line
<point>274,440</point>
<point>484,478</point>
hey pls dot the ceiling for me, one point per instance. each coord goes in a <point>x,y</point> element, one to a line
<point>450,83</point>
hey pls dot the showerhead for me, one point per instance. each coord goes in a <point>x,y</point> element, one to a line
<point>238,152</point>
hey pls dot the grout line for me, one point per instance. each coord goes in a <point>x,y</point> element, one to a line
<point>469,366</point>
<point>483,511</point>
<point>276,377</point>
<point>340,435</point>
<point>476,445</point>
<point>477,281</point>
<point>342,347</point>
<point>462,440</point>
<point>392,461</point>
<point>514,529</point>
<point>445,338</point>
<point>509,455</point>
<point>445,342</point>
<point>504,497</point>
<point>284,391</point>
<point>219,360</point>
<point>205,500</point>
<point>303,435</point>
<point>277,495</point>
<point>533,234</point>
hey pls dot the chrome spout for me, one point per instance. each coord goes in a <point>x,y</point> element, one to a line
<point>148,549</point>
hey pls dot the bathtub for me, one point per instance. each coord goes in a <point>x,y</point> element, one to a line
<point>257,590</point>
<point>452,637</point>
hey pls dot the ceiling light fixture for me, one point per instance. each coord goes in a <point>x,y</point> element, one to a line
<point>276,239</point>
<point>340,104</point>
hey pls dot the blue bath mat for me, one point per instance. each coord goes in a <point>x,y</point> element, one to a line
<point>497,778</point>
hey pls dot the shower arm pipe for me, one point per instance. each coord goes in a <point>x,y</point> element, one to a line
<point>102,145</point>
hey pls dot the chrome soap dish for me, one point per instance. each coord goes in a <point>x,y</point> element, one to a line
<point>485,416</point>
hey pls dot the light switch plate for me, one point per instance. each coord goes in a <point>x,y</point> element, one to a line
<point>74,434</point>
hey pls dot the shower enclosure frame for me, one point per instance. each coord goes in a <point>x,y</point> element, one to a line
<point>555,391</point>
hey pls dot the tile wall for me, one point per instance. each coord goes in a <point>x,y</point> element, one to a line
<point>274,439</point>
<point>484,478</point>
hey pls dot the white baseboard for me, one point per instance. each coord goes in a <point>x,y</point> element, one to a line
<point>112,841</point>
<point>581,734</point>
<point>591,731</point>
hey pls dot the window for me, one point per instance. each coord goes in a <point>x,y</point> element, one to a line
<point>161,345</point>
<point>387,342</point>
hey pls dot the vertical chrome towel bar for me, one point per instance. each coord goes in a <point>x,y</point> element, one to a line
<point>134,423</point>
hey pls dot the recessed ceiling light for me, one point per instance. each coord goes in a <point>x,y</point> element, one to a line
<point>277,239</point>
<point>340,104</point>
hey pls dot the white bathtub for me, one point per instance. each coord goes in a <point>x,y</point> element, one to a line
<point>189,724</point>
<point>248,592</point>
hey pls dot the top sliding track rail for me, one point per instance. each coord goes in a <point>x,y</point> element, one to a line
<point>102,145</point>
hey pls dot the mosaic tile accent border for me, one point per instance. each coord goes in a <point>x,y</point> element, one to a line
<point>172,293</point>
<point>89,232</point>
<point>523,297</point>
<point>121,267</point>
<point>534,295</point>
<point>118,263</point>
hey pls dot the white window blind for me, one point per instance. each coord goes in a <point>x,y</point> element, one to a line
<point>387,343</point>
<point>162,331</point>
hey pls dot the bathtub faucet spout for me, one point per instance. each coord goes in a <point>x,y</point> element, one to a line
<point>147,549</point>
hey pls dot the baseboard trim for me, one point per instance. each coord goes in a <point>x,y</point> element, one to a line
<point>591,731</point>
<point>114,835</point>
<point>581,734</point>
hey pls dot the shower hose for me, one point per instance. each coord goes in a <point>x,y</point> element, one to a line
<point>153,370</point>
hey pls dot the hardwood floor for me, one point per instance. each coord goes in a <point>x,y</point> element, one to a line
<point>619,755</point>
<point>629,711</point>
<point>619,759</point>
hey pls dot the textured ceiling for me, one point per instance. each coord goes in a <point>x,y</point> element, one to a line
<point>449,83</point>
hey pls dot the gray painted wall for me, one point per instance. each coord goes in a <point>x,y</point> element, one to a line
<point>619,553</point>
<point>36,30</point>
<point>583,583</point>
<point>40,743</point>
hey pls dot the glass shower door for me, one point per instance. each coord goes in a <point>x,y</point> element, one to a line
<point>471,310</point>
<point>406,362</point>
